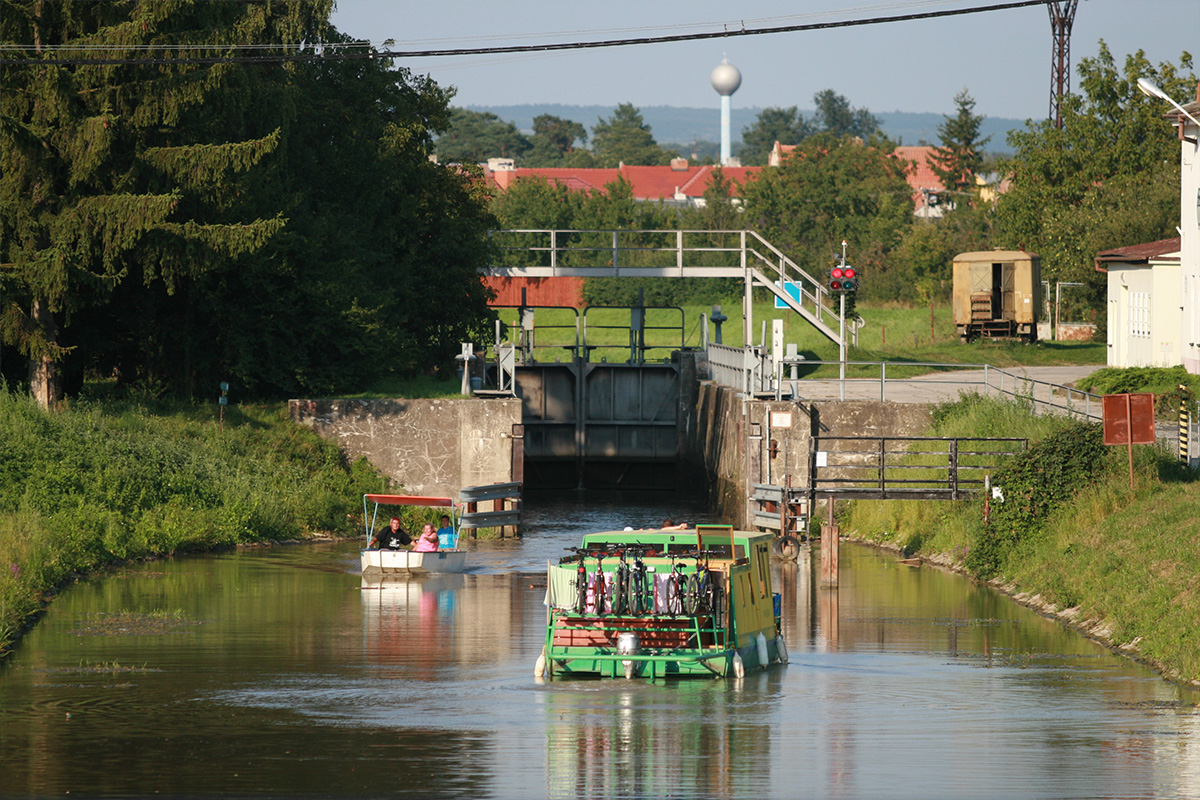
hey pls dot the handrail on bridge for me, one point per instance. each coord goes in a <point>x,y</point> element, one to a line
<point>670,254</point>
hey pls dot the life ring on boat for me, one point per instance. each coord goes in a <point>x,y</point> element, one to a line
<point>780,650</point>
<point>739,666</point>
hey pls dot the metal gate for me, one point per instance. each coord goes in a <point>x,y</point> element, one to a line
<point>904,467</point>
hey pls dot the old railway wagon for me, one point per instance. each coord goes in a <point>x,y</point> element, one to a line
<point>666,603</point>
<point>997,295</point>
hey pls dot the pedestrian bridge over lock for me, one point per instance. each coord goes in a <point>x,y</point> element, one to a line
<point>609,395</point>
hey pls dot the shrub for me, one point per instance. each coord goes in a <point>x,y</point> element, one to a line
<point>1033,485</point>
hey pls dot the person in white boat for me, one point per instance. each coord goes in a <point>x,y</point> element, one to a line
<point>669,525</point>
<point>427,542</point>
<point>446,535</point>
<point>390,538</point>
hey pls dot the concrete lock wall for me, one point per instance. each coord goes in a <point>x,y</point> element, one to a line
<point>733,439</point>
<point>430,447</point>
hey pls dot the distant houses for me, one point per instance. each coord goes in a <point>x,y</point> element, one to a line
<point>681,184</point>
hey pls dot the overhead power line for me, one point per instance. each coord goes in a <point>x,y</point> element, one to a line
<point>337,52</point>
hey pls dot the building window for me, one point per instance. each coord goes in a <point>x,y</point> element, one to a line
<point>1139,314</point>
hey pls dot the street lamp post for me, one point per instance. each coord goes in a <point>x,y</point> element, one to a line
<point>1151,89</point>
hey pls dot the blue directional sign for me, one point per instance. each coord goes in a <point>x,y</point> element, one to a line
<point>792,290</point>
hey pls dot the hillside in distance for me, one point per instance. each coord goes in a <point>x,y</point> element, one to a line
<point>684,125</point>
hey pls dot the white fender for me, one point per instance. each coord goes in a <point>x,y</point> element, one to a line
<point>739,666</point>
<point>539,667</point>
<point>780,650</point>
<point>760,642</point>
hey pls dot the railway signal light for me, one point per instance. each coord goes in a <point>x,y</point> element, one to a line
<point>843,279</point>
<point>849,279</point>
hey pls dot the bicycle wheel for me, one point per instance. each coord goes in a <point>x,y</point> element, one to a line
<point>691,597</point>
<point>676,588</point>
<point>598,592</point>
<point>580,591</point>
<point>703,592</point>
<point>717,603</point>
<point>637,591</point>
<point>619,594</point>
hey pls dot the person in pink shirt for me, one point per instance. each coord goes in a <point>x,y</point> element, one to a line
<point>427,542</point>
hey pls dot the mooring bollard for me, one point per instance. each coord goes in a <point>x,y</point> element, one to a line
<point>829,555</point>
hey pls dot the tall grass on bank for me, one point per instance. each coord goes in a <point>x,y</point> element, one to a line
<point>104,483</point>
<point>1069,529</point>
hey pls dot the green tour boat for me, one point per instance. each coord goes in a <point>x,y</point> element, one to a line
<point>665,603</point>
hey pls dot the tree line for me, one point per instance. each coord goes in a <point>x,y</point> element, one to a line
<point>174,225</point>
<point>625,138</point>
<point>170,225</point>
<point>1108,177</point>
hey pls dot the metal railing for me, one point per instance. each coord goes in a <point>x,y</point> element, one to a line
<point>742,254</point>
<point>752,374</point>
<point>905,467</point>
<point>747,369</point>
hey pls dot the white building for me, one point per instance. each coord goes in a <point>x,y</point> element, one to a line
<point>1154,288</point>
<point>1145,307</point>
<point>1189,229</point>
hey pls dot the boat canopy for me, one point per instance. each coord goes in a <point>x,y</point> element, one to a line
<point>408,500</point>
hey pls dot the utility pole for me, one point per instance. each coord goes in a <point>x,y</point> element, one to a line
<point>1062,17</point>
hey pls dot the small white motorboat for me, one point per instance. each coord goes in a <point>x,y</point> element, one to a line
<point>385,562</point>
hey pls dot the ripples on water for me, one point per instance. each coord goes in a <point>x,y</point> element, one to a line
<point>275,672</point>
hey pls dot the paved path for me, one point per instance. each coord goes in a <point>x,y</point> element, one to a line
<point>939,387</point>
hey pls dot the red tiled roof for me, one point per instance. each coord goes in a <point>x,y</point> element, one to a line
<point>648,183</point>
<point>919,172</point>
<point>1138,253</point>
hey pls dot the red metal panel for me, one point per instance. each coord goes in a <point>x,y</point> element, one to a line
<point>538,291</point>
<point>1129,412</point>
<point>409,500</point>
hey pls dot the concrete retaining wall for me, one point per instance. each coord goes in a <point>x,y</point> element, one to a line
<point>733,437</point>
<point>431,447</point>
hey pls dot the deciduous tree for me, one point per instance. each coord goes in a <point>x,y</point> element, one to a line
<point>625,138</point>
<point>835,116</point>
<point>830,189</point>
<point>1073,189</point>
<point>783,125</point>
<point>475,136</point>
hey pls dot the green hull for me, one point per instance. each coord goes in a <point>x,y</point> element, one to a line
<point>718,639</point>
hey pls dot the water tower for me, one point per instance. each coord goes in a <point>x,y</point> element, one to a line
<point>725,79</point>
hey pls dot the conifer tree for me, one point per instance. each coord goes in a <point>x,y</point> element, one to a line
<point>961,153</point>
<point>132,169</point>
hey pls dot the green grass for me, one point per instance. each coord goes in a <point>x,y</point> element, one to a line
<point>1127,558</point>
<point>101,483</point>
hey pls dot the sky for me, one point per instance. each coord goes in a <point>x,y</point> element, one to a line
<point>1001,57</point>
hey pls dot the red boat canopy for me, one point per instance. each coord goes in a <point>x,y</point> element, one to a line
<point>409,500</point>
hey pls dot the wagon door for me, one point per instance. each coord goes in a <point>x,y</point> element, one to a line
<point>1004,275</point>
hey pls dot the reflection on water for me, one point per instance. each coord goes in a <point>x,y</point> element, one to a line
<point>280,671</point>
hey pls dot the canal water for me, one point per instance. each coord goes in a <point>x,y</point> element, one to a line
<point>275,672</point>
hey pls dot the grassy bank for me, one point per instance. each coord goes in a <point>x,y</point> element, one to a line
<point>1070,537</point>
<point>103,483</point>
